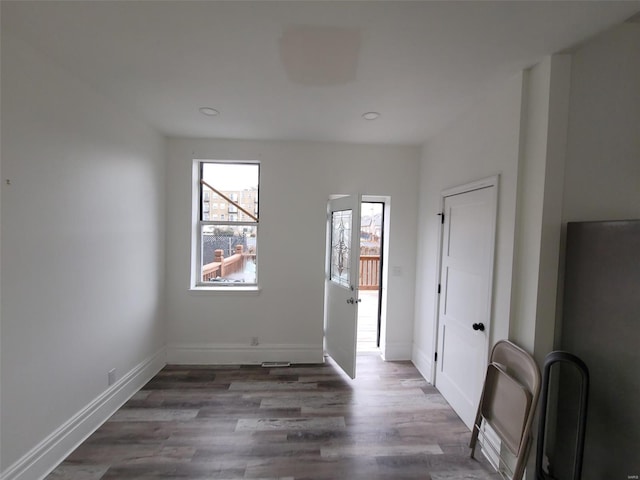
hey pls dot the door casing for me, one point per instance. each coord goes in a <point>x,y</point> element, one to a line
<point>386,201</point>
<point>381,277</point>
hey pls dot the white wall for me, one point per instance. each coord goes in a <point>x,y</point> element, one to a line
<point>538,216</point>
<point>287,314</point>
<point>482,143</point>
<point>602,179</point>
<point>82,258</point>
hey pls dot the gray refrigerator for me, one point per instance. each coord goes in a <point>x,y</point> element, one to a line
<point>601,325</point>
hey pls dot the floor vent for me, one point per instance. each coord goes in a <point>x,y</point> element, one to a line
<point>275,364</point>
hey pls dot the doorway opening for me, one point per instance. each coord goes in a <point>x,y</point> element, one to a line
<point>370,276</point>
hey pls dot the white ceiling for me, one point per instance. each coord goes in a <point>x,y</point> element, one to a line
<point>303,70</point>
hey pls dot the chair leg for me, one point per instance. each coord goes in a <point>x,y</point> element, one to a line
<point>521,464</point>
<point>474,433</point>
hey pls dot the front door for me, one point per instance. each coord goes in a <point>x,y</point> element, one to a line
<point>341,281</point>
<point>465,298</point>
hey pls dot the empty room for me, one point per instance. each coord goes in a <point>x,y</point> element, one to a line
<point>203,203</point>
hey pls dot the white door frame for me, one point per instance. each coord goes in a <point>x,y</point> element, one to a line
<point>386,201</point>
<point>492,181</point>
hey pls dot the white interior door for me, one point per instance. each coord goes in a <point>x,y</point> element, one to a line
<point>342,280</point>
<point>465,299</point>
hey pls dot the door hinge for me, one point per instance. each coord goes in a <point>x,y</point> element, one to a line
<point>435,359</point>
<point>439,289</point>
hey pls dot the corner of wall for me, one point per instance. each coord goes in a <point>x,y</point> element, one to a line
<point>44,457</point>
<point>422,362</point>
<point>541,163</point>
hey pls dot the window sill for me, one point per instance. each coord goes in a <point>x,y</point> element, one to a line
<point>254,289</point>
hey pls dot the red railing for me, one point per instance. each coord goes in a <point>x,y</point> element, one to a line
<point>222,267</point>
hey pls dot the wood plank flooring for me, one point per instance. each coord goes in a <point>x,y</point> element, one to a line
<point>305,422</point>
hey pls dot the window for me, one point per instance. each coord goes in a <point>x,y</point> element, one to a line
<point>226,247</point>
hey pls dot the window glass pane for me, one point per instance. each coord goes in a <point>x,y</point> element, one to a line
<point>341,247</point>
<point>237,182</point>
<point>229,254</point>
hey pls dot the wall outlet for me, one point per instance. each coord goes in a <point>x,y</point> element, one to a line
<point>254,341</point>
<point>111,376</point>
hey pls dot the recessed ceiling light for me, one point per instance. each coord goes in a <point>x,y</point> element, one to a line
<point>370,115</point>
<point>208,111</point>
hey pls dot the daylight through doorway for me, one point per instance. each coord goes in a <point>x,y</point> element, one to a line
<point>371,238</point>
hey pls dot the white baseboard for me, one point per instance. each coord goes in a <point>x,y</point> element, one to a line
<point>45,456</point>
<point>234,354</point>
<point>423,363</point>
<point>396,351</point>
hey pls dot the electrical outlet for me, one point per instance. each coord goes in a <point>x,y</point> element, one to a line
<point>254,341</point>
<point>111,376</point>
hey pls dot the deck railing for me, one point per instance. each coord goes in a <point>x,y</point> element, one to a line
<point>223,266</point>
<point>369,272</point>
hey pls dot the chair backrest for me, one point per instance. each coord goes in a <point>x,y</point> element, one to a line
<point>508,401</point>
<point>518,364</point>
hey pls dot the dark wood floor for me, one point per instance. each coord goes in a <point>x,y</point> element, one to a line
<point>302,422</point>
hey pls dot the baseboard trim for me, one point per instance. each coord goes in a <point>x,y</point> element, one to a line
<point>45,456</point>
<point>234,354</point>
<point>423,363</point>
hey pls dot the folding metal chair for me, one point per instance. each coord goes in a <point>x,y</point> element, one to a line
<point>507,405</point>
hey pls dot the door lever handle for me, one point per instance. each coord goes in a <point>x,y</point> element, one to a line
<point>353,301</point>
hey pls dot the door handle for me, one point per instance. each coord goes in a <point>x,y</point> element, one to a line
<point>353,301</point>
<point>478,326</point>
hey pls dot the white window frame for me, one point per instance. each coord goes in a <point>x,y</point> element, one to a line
<point>196,284</point>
